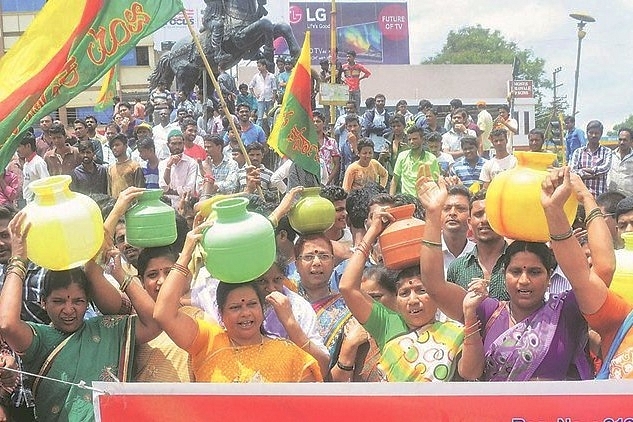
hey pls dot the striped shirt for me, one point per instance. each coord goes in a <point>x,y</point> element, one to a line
<point>467,174</point>
<point>599,161</point>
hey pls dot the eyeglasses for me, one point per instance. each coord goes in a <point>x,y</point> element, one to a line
<point>321,256</point>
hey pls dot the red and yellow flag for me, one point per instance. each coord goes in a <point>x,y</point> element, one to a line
<point>294,133</point>
<point>108,90</point>
<point>68,47</point>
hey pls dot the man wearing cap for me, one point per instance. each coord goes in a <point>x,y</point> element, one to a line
<point>484,122</point>
<point>177,174</point>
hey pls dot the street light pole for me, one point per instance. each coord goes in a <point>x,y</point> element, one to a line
<point>582,21</point>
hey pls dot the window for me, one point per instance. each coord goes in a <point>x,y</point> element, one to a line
<point>138,56</point>
<point>526,122</point>
<point>22,5</point>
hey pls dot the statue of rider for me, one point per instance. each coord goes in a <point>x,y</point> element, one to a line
<point>215,13</point>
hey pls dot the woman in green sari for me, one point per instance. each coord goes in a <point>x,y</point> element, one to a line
<point>71,349</point>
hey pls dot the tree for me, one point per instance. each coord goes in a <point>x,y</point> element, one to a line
<point>628,123</point>
<point>477,45</point>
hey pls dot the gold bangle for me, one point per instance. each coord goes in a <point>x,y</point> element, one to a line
<point>16,259</point>
<point>560,237</point>
<point>21,276</point>
<point>431,244</point>
<point>126,282</point>
<point>472,334</point>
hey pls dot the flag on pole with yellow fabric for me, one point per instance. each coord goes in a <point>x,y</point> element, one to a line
<point>68,47</point>
<point>294,133</point>
<point>108,90</point>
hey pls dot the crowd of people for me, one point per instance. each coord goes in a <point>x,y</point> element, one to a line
<point>477,307</point>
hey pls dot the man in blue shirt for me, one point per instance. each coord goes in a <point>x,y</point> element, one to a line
<point>468,167</point>
<point>575,137</point>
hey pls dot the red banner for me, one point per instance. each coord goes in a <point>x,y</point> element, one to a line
<point>607,401</point>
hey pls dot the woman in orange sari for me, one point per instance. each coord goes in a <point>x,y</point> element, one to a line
<point>238,352</point>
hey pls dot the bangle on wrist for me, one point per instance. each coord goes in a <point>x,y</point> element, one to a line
<point>431,244</point>
<point>560,237</point>
<point>127,280</point>
<point>344,367</point>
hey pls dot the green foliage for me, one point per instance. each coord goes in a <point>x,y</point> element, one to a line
<point>628,123</point>
<point>477,45</point>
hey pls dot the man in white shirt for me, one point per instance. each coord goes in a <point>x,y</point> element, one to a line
<point>263,86</point>
<point>177,174</point>
<point>451,140</point>
<point>501,161</point>
<point>505,122</point>
<point>34,167</point>
<point>455,242</point>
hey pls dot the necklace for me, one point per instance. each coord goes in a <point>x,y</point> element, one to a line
<point>236,345</point>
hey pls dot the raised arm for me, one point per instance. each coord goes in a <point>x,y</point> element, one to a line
<point>146,327</point>
<point>448,296</point>
<point>589,288</point>
<point>359,302</point>
<point>122,204</point>
<point>598,235</point>
<point>15,332</point>
<point>182,328</point>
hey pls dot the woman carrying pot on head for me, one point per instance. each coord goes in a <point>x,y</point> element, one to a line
<point>238,352</point>
<point>527,337</point>
<point>71,348</point>
<point>414,346</point>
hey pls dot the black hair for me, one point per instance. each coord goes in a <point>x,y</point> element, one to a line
<point>412,271</point>
<point>284,224</point>
<point>7,212</point>
<point>352,118</point>
<point>54,280</point>
<point>223,290</point>
<point>624,206</point>
<point>595,124</point>
<point>253,146</point>
<point>215,139</point>
<point>545,254</point>
<point>301,241</point>
<point>147,143</point>
<point>456,103</point>
<point>357,203</point>
<point>479,196</point>
<point>499,132</point>
<point>609,201</point>
<point>85,145</point>
<point>29,139</point>
<point>385,278</point>
<point>537,132</point>
<point>57,129</point>
<point>118,137</point>
<point>365,143</point>
<point>397,118</point>
<point>400,199</point>
<point>333,193</point>
<point>468,140</point>
<point>147,254</point>
<point>433,137</point>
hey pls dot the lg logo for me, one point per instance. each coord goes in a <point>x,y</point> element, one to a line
<point>295,14</point>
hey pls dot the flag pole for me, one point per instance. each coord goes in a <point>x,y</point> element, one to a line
<point>333,55</point>
<point>216,86</point>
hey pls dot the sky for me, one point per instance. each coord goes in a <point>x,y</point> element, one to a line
<point>605,83</point>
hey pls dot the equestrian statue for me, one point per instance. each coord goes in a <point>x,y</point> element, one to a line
<point>232,30</point>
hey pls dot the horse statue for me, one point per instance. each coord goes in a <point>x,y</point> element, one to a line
<point>232,30</point>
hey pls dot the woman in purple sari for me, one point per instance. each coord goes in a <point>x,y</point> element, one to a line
<point>528,337</point>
